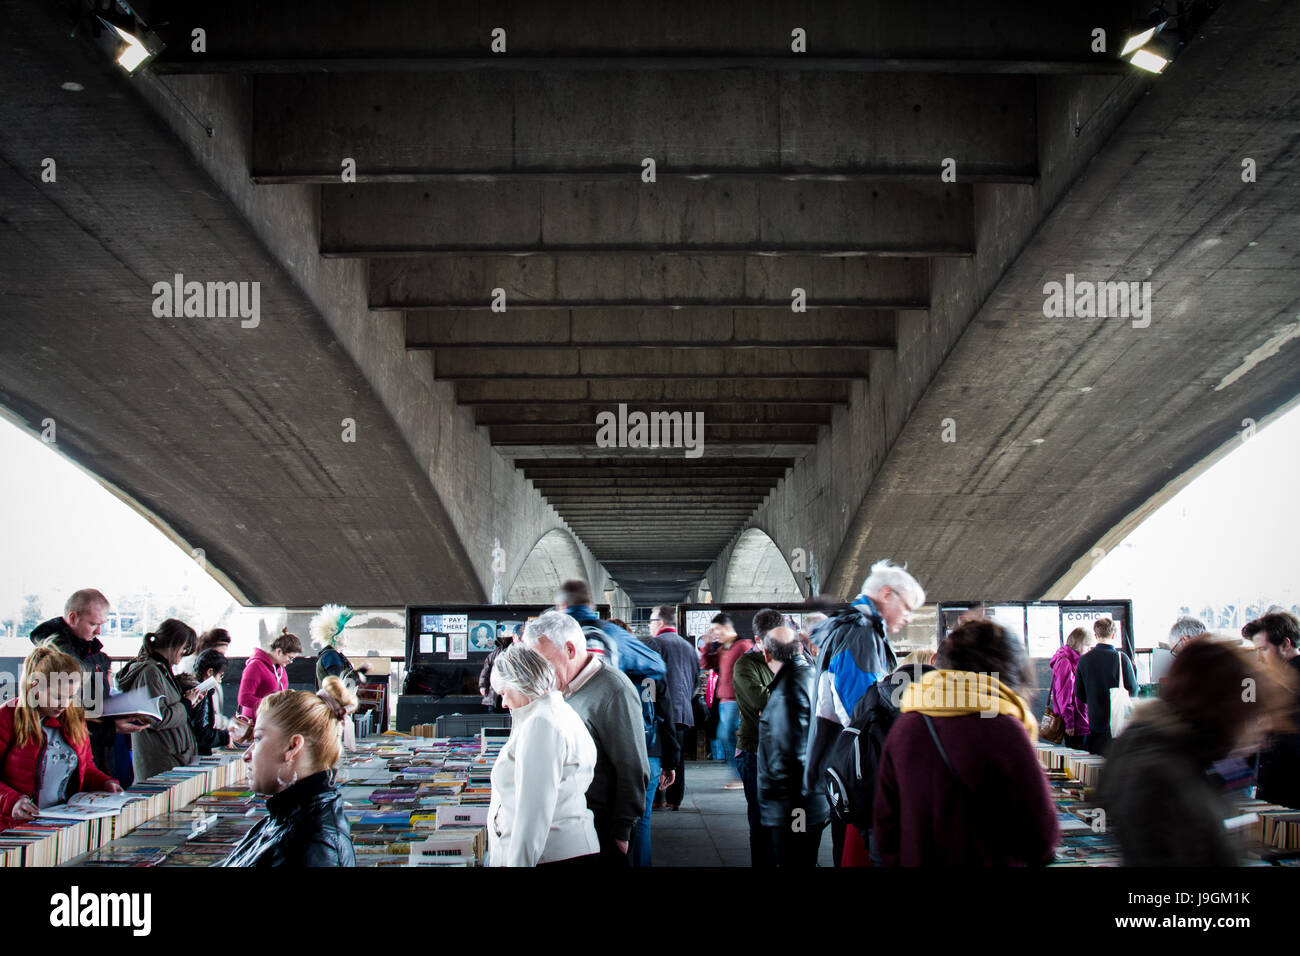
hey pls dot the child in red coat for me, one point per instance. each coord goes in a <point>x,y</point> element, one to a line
<point>44,746</point>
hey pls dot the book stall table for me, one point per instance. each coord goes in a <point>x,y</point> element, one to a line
<point>51,840</point>
<point>410,801</point>
<point>1268,834</point>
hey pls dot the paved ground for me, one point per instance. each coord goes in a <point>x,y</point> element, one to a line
<point>711,828</point>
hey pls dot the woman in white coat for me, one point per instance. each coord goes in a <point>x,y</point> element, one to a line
<point>538,814</point>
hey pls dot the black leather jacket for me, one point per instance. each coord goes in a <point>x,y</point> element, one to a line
<point>305,826</point>
<point>782,737</point>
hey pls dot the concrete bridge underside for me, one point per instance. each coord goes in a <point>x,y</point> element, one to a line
<point>475,430</point>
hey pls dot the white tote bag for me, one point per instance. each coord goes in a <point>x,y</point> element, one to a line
<point>1121,704</point>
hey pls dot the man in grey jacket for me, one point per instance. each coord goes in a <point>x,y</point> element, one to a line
<point>609,705</point>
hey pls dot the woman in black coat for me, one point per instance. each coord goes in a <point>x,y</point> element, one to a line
<point>296,746</point>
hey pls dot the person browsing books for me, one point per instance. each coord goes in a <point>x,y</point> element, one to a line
<point>76,633</point>
<point>205,720</point>
<point>264,673</point>
<point>958,783</point>
<point>169,742</point>
<point>44,740</point>
<point>538,813</point>
<point>610,707</point>
<point>297,742</point>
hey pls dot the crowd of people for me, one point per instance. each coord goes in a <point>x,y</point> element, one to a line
<point>925,761</point>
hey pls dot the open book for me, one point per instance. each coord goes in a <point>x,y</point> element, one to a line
<point>90,804</point>
<point>134,703</point>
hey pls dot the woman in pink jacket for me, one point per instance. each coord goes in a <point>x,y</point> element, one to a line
<point>1065,667</point>
<point>265,673</point>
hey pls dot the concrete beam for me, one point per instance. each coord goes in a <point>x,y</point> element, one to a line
<point>410,127</point>
<point>713,434</point>
<point>623,364</point>
<point>660,391</point>
<point>577,280</point>
<point>600,471</point>
<point>613,218</point>
<point>762,450</point>
<point>652,329</point>
<point>547,485</point>
<point>307,34</point>
<point>545,416</point>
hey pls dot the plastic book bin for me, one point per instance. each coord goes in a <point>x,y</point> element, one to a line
<point>469,725</point>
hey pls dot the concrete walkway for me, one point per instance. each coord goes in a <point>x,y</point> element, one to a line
<point>711,828</point>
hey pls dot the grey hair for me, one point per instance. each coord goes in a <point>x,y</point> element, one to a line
<point>887,574</point>
<point>524,670</point>
<point>558,628</point>
<point>812,620</point>
<point>1185,627</point>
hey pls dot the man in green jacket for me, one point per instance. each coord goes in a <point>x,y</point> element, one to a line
<point>751,679</point>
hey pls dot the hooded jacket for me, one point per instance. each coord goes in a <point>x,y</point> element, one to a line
<point>305,825</point>
<point>21,767</point>
<point>262,676</point>
<point>1065,668</point>
<point>97,665</point>
<point>853,654</point>
<point>170,742</point>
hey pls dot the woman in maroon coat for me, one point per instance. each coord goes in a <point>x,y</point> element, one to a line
<point>959,783</point>
<point>44,745</point>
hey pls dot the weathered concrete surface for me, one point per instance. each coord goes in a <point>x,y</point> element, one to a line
<point>929,35</point>
<point>876,217</point>
<point>568,280</point>
<point>231,436</point>
<point>414,126</point>
<point>1064,426</point>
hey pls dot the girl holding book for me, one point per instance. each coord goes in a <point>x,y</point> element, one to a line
<point>44,741</point>
<point>169,742</point>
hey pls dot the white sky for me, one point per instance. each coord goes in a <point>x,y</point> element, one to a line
<point>1229,539</point>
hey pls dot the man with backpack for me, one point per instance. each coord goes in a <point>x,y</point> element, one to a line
<point>854,652</point>
<point>854,760</point>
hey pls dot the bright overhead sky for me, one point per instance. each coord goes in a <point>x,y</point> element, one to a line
<point>1229,539</point>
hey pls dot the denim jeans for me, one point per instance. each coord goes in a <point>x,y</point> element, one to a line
<point>728,724</point>
<point>638,848</point>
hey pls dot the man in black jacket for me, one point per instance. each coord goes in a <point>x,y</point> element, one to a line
<point>1101,669</point>
<point>1276,638</point>
<point>76,634</point>
<point>795,815</point>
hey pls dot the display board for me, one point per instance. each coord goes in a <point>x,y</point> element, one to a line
<point>693,619</point>
<point>1043,625</point>
<point>464,633</point>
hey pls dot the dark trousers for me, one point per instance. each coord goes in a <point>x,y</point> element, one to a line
<point>761,855</point>
<point>1099,743</point>
<point>673,795</point>
<point>610,854</point>
<point>1076,741</point>
<point>796,850</point>
<point>837,841</point>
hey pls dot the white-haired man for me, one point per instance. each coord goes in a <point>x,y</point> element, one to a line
<point>610,706</point>
<point>1162,658</point>
<point>853,653</point>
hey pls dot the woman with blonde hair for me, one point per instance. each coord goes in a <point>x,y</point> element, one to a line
<point>44,741</point>
<point>297,742</point>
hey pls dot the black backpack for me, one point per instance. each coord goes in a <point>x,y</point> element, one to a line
<point>854,758</point>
